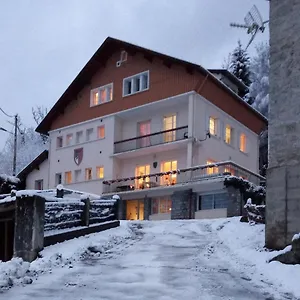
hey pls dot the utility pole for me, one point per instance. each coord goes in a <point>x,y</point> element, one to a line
<point>15,145</point>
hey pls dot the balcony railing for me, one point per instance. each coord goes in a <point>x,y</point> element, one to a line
<point>175,177</point>
<point>152,139</point>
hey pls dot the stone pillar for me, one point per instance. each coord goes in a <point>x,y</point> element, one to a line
<point>121,209</point>
<point>147,208</point>
<point>182,205</point>
<point>29,226</point>
<point>86,212</point>
<point>283,184</point>
<point>235,202</point>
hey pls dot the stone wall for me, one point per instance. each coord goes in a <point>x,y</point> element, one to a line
<point>283,184</point>
<point>183,205</point>
<point>147,208</point>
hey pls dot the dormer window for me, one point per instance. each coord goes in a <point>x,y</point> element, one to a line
<point>136,84</point>
<point>102,94</point>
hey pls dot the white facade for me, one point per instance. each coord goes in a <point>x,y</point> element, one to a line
<point>192,113</point>
<point>39,177</point>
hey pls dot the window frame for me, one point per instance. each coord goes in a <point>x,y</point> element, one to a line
<point>68,172</point>
<point>77,172</point>
<point>56,177</point>
<point>77,141</point>
<point>69,138</point>
<point>216,120</point>
<point>213,170</point>
<point>131,79</point>
<point>213,195</point>
<point>85,174</point>
<point>231,135</point>
<point>245,143</point>
<point>98,89</point>
<point>37,182</point>
<point>98,128</point>
<point>168,205</point>
<point>59,138</point>
<point>97,172</point>
<point>86,134</point>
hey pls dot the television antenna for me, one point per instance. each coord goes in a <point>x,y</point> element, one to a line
<point>253,23</point>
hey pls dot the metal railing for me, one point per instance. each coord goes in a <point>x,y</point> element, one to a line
<point>152,139</point>
<point>188,175</point>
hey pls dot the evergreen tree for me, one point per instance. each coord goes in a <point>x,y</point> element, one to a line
<point>240,64</point>
<point>259,88</point>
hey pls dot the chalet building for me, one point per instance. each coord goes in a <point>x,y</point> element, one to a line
<point>160,132</point>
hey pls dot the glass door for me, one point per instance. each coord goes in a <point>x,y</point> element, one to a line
<point>166,167</point>
<point>144,129</point>
<point>169,124</point>
<point>140,172</point>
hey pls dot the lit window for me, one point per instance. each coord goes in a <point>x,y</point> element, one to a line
<point>68,177</point>
<point>161,205</point>
<point>243,142</point>
<point>228,134</point>
<point>77,175</point>
<point>79,135</point>
<point>101,132</point>
<point>211,170</point>
<point>169,126</point>
<point>136,83</point>
<point>100,172</point>
<point>69,139</point>
<point>213,126</point>
<point>59,142</point>
<point>89,134</point>
<point>168,166</point>
<point>88,174</point>
<point>141,171</point>
<point>102,94</point>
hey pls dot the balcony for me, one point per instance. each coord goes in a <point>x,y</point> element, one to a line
<point>153,139</point>
<point>182,176</point>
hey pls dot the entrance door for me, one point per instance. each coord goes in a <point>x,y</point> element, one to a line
<point>135,210</point>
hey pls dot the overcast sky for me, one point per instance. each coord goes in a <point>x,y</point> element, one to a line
<point>45,43</point>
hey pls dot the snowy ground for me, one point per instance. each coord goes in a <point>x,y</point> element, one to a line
<point>219,259</point>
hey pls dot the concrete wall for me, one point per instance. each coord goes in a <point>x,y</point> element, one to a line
<point>211,213</point>
<point>39,174</point>
<point>159,217</point>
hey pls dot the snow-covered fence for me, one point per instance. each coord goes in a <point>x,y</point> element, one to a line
<point>102,211</point>
<point>63,214</point>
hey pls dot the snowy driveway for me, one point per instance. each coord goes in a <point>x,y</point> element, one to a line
<point>162,260</point>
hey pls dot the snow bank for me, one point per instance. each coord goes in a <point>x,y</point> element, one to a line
<point>18,272</point>
<point>247,244</point>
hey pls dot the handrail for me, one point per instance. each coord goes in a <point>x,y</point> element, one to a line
<point>150,134</point>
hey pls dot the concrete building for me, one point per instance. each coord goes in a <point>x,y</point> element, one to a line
<point>146,125</point>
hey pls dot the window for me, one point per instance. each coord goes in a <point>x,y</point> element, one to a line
<point>101,132</point>
<point>136,83</point>
<point>89,134</point>
<point>212,201</point>
<point>161,205</point>
<point>58,179</point>
<point>141,171</point>
<point>102,94</point>
<point>243,142</point>
<point>228,134</point>
<point>77,176</point>
<point>212,170</point>
<point>100,172</point>
<point>167,167</point>
<point>144,129</point>
<point>213,122</point>
<point>59,142</point>
<point>38,184</point>
<point>68,177</point>
<point>169,124</point>
<point>88,174</point>
<point>69,139</point>
<point>79,135</point>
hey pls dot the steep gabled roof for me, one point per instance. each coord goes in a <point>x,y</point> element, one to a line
<point>33,165</point>
<point>99,59</point>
